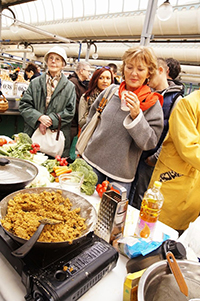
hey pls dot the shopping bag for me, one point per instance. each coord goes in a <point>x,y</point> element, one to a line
<point>91,126</point>
<point>53,142</point>
<point>48,143</point>
<point>87,133</point>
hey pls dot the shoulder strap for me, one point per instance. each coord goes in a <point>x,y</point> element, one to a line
<point>106,98</point>
<point>174,99</point>
<point>59,126</point>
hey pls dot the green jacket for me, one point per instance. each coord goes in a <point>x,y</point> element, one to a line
<point>63,102</point>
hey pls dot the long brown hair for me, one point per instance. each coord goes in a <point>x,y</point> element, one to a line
<point>94,80</point>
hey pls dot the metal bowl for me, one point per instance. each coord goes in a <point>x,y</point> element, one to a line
<point>15,174</point>
<point>157,281</point>
<point>87,211</point>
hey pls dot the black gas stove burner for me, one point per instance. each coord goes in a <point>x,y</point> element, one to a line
<point>62,274</point>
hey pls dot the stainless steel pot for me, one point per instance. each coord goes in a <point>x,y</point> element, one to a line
<point>157,283</point>
<point>15,174</point>
<point>87,211</point>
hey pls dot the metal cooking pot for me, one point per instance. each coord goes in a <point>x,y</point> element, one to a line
<point>15,174</point>
<point>157,281</point>
<point>87,211</point>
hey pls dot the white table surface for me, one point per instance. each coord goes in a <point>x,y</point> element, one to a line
<point>110,288</point>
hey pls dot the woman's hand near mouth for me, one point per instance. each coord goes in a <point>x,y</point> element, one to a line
<point>133,103</point>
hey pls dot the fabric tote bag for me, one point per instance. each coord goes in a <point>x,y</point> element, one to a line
<point>91,126</point>
<point>52,143</point>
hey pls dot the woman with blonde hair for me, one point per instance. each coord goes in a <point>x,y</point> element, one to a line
<point>121,136</point>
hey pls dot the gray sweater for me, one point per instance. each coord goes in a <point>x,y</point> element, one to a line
<point>118,141</point>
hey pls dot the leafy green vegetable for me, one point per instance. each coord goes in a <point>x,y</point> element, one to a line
<point>90,177</point>
<point>20,149</point>
<point>49,164</point>
<point>23,138</point>
<point>51,178</point>
<point>17,150</point>
<point>3,152</point>
<point>87,188</point>
<point>80,162</point>
<point>82,169</point>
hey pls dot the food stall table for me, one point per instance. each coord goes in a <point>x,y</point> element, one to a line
<point>110,287</point>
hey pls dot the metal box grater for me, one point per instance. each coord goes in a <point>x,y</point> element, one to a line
<point>112,214</point>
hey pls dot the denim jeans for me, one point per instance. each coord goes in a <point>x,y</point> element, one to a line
<point>140,184</point>
<point>102,177</point>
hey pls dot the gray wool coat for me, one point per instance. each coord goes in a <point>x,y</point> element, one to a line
<point>118,141</point>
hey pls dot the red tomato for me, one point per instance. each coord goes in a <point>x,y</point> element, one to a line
<point>63,162</point>
<point>3,141</point>
<point>98,187</point>
<point>33,151</point>
<point>36,145</point>
<point>58,158</point>
<point>105,183</point>
<point>101,191</point>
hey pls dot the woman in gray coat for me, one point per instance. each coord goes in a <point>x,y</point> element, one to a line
<point>121,136</point>
<point>47,95</point>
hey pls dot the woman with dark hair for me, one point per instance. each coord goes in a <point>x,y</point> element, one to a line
<point>31,72</point>
<point>100,80</point>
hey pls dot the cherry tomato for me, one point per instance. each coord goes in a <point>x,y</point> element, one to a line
<point>3,141</point>
<point>35,148</point>
<point>58,158</point>
<point>105,183</point>
<point>98,187</point>
<point>33,151</point>
<point>63,162</point>
<point>35,145</point>
<point>101,191</point>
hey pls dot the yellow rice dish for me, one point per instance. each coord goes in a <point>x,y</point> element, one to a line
<point>25,211</point>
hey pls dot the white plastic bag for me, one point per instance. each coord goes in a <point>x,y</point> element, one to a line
<point>48,143</point>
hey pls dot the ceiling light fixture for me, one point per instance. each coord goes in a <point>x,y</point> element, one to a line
<point>164,11</point>
<point>14,27</point>
<point>95,54</point>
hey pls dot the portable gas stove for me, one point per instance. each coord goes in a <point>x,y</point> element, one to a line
<point>61,274</point>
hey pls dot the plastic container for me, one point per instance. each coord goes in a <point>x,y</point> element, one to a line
<point>71,181</point>
<point>149,211</point>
